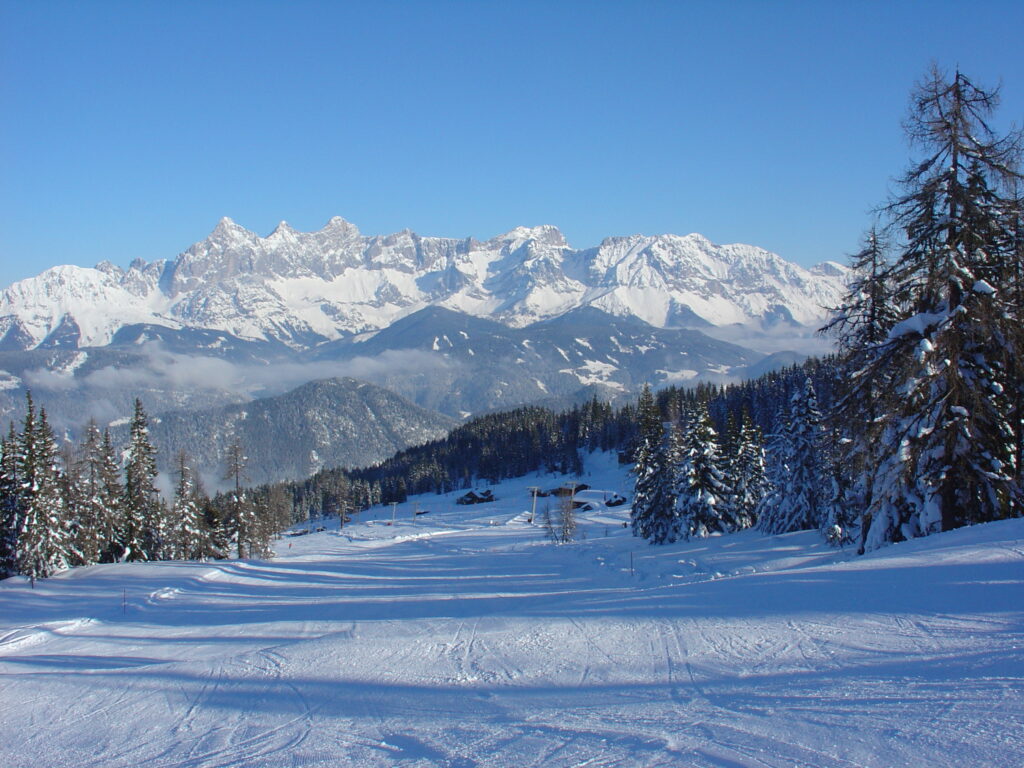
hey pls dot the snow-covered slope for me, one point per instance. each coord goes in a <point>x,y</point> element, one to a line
<point>463,637</point>
<point>304,288</point>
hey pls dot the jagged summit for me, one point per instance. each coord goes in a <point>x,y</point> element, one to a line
<point>338,224</point>
<point>546,234</point>
<point>305,288</point>
<point>227,227</point>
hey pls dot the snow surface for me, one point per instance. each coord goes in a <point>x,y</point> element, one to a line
<point>463,637</point>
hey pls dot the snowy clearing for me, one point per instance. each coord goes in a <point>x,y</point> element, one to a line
<point>463,637</point>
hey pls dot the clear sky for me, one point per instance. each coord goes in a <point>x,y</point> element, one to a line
<point>129,128</point>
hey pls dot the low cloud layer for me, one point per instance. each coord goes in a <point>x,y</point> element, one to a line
<point>777,339</point>
<point>163,369</point>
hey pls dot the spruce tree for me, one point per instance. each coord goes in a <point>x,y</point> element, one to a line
<point>143,527</point>
<point>798,502</point>
<point>10,504</point>
<point>663,526</point>
<point>1014,294</point>
<point>241,512</point>
<point>43,545</point>
<point>703,497</point>
<point>90,536</point>
<point>279,507</point>
<point>842,493</point>
<point>108,496</point>
<point>747,473</point>
<point>189,537</point>
<point>860,325</point>
<point>81,524</point>
<point>936,429</point>
<point>653,504</point>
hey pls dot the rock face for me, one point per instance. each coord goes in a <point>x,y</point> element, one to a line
<point>303,289</point>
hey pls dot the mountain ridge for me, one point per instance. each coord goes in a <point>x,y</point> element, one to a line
<point>307,288</point>
<point>331,422</point>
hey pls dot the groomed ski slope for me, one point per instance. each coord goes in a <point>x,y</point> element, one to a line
<point>465,638</point>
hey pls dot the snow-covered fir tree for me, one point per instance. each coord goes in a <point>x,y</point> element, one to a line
<point>859,325</point>
<point>108,497</point>
<point>43,545</point>
<point>776,469</point>
<point>277,507</point>
<point>746,472</point>
<point>653,510</point>
<point>798,500</point>
<point>842,493</point>
<point>10,504</point>
<point>91,535</point>
<point>663,526</point>
<point>935,425</point>
<point>144,528</point>
<point>1014,293</point>
<point>703,497</point>
<point>180,509</point>
<point>83,534</point>
<point>188,535</point>
<point>241,517</point>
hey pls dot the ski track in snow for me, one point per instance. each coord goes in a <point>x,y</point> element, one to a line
<point>465,638</point>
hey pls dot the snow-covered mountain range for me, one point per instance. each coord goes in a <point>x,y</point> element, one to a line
<point>304,289</point>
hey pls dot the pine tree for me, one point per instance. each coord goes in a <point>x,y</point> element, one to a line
<point>777,460</point>
<point>864,318</point>
<point>936,429</point>
<point>861,324</point>
<point>561,525</point>
<point>653,504</point>
<point>43,540</point>
<point>11,511</point>
<point>81,524</point>
<point>241,512</point>
<point>843,494</point>
<point>189,537</point>
<point>108,497</point>
<point>1014,295</point>
<point>703,497</point>
<point>144,532</point>
<point>798,502</point>
<point>218,524</point>
<point>747,473</point>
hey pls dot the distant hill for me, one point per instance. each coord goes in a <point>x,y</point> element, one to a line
<point>331,422</point>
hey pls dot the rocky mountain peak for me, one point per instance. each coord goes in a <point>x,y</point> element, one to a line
<point>546,234</point>
<point>283,230</point>
<point>339,226</point>
<point>304,288</point>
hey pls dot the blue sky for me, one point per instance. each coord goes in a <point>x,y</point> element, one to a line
<point>130,128</point>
